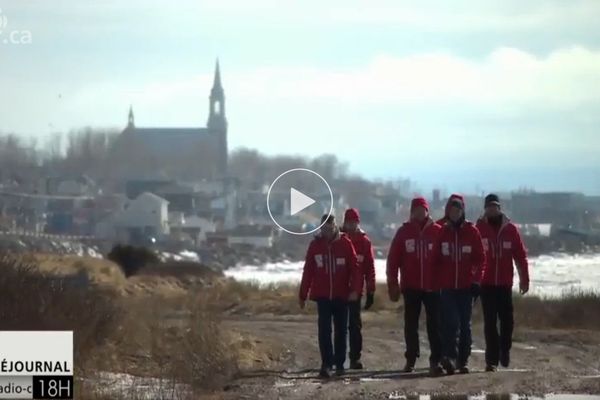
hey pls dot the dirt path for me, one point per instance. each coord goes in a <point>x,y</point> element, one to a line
<point>542,362</point>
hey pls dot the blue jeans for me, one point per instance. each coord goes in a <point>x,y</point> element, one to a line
<point>457,305</point>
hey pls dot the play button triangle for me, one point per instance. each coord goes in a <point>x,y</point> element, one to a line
<point>299,201</point>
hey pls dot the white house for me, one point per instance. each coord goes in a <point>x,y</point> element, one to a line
<point>147,215</point>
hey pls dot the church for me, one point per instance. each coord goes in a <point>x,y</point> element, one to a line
<point>181,153</point>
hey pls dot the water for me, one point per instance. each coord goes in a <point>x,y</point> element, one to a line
<point>552,275</point>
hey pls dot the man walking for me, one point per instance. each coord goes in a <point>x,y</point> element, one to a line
<point>459,255</point>
<point>503,245</point>
<point>366,265</point>
<point>332,278</point>
<point>409,254</point>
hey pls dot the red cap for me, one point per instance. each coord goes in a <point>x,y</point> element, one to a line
<point>352,215</point>
<point>419,201</point>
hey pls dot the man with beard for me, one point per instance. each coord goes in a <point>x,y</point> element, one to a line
<point>503,245</point>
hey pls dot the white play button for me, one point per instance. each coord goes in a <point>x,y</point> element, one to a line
<point>299,201</point>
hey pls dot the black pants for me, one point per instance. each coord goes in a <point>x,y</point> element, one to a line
<point>497,305</point>
<point>336,311</point>
<point>354,330</point>
<point>413,299</point>
<point>457,306</point>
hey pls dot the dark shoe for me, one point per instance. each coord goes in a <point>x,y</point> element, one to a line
<point>505,359</point>
<point>435,370</point>
<point>339,371</point>
<point>409,366</point>
<point>463,370</point>
<point>356,365</point>
<point>490,368</point>
<point>448,365</point>
<point>325,373</point>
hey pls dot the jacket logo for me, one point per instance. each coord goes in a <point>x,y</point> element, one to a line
<point>340,261</point>
<point>507,245</point>
<point>319,260</point>
<point>466,249</point>
<point>486,244</point>
<point>410,245</point>
<point>445,248</point>
<point>360,258</point>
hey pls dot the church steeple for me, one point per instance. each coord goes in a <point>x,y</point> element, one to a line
<point>217,80</point>
<point>217,122</point>
<point>130,120</point>
<point>216,116</point>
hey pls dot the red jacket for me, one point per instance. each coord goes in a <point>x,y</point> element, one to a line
<point>409,253</point>
<point>364,254</point>
<point>503,245</point>
<point>459,256</point>
<point>330,269</point>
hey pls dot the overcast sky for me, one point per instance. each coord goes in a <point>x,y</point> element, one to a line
<point>485,95</point>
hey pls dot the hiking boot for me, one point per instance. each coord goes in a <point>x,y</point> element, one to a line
<point>340,371</point>
<point>448,365</point>
<point>490,368</point>
<point>463,370</point>
<point>356,365</point>
<point>435,370</point>
<point>409,366</point>
<point>505,358</point>
<point>325,373</point>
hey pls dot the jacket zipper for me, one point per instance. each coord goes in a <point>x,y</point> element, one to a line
<point>330,274</point>
<point>498,252</point>
<point>456,255</point>
<point>421,255</point>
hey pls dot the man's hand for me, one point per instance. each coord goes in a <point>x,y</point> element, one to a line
<point>353,296</point>
<point>394,294</point>
<point>301,303</point>
<point>370,300</point>
<point>524,287</point>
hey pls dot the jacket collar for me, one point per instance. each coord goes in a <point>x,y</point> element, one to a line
<point>505,220</point>
<point>337,236</point>
<point>428,223</point>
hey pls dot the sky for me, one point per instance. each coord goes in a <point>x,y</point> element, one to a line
<point>465,96</point>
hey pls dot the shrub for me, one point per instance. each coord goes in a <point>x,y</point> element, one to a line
<point>34,301</point>
<point>131,259</point>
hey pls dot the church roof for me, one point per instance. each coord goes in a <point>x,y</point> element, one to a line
<point>162,140</point>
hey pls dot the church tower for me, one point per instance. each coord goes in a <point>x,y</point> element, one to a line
<point>217,122</point>
<point>130,119</point>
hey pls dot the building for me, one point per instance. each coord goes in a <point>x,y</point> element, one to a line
<point>254,236</point>
<point>186,153</point>
<point>141,219</point>
<point>194,227</point>
<point>560,208</point>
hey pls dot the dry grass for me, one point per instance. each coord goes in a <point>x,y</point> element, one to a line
<point>576,310</point>
<point>174,343</point>
<point>99,271</point>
